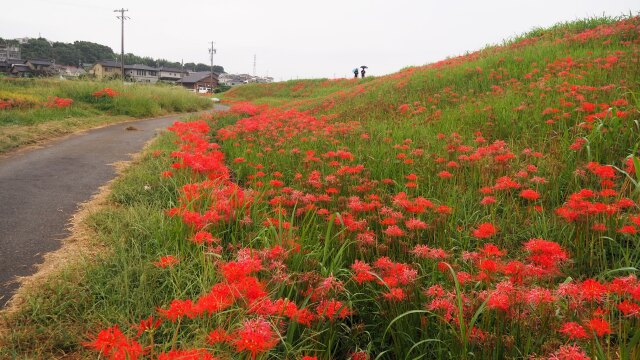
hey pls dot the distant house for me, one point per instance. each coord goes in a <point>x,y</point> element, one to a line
<point>69,71</point>
<point>9,52</point>
<point>5,66</point>
<point>141,73</point>
<point>238,79</point>
<point>170,74</point>
<point>40,67</point>
<point>200,81</point>
<point>21,70</point>
<point>106,69</point>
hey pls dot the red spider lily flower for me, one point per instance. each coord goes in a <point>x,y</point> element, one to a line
<point>203,237</point>
<point>166,261</point>
<point>487,200</point>
<point>178,309</point>
<point>411,177</point>
<point>592,290</point>
<point>599,326</point>
<point>529,194</point>
<point>537,296</point>
<point>578,143</point>
<point>404,108</point>
<point>256,336</point>
<point>395,295</point>
<point>393,231</point>
<point>490,250</point>
<point>113,343</point>
<point>484,231</point>
<point>190,354</point>
<point>276,183</point>
<point>108,92</point>
<point>148,324</point>
<point>167,174</point>
<point>569,352</point>
<point>444,209</point>
<point>218,336</point>
<point>332,309</point>
<point>360,355</point>
<point>444,174</point>
<point>415,224</point>
<point>602,171</point>
<point>628,229</point>
<point>362,272</point>
<point>629,308</point>
<point>395,274</point>
<point>574,331</point>
<point>588,107</point>
<point>425,252</point>
<point>545,253</point>
<point>309,357</point>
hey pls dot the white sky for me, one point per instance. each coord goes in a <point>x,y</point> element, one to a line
<point>298,38</point>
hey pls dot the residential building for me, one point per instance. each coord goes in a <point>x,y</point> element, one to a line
<point>141,73</point>
<point>106,69</point>
<point>69,71</point>
<point>200,81</point>
<point>5,66</point>
<point>40,67</point>
<point>21,70</point>
<point>171,74</point>
<point>238,79</point>
<point>9,52</point>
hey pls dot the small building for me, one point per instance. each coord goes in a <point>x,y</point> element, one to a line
<point>70,72</point>
<point>170,74</point>
<point>21,70</point>
<point>9,52</point>
<point>141,73</point>
<point>40,67</point>
<point>106,69</point>
<point>200,81</point>
<point>5,66</point>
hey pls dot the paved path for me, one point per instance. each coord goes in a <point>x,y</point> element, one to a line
<point>40,190</point>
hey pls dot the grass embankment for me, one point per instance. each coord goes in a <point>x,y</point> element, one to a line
<point>32,110</point>
<point>486,206</point>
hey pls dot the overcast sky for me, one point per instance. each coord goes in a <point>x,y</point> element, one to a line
<point>298,38</point>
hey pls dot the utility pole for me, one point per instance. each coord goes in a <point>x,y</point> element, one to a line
<point>212,51</point>
<point>122,19</point>
<point>254,65</point>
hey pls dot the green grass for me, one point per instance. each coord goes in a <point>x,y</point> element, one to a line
<point>33,121</point>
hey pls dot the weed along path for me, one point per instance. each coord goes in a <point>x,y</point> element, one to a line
<point>40,190</point>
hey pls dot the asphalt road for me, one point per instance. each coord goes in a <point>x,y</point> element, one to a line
<point>40,190</point>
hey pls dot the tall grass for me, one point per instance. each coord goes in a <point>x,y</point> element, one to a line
<point>33,119</point>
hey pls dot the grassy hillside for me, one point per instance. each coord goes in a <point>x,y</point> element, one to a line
<point>486,206</point>
<point>36,109</point>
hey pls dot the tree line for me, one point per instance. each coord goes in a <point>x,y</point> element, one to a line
<point>82,52</point>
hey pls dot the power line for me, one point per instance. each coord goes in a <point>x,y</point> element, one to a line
<point>122,18</point>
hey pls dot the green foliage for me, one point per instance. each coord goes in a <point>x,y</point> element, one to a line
<point>80,52</point>
<point>36,121</point>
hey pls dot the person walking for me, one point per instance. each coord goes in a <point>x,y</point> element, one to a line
<point>362,72</point>
<point>355,73</point>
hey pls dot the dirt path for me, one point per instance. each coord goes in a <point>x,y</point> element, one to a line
<point>40,190</point>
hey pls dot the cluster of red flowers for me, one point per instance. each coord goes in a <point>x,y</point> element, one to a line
<point>6,104</point>
<point>57,102</point>
<point>106,92</point>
